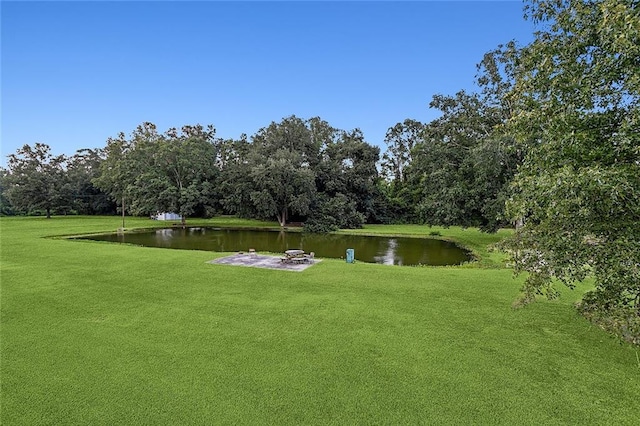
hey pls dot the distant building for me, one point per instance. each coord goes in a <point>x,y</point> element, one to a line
<point>166,216</point>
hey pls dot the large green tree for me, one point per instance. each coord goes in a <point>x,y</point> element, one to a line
<point>86,198</point>
<point>282,161</point>
<point>6,209</point>
<point>577,104</point>
<point>116,170</point>
<point>461,168</point>
<point>36,179</point>
<point>293,134</point>
<point>282,185</point>
<point>172,171</point>
<point>396,161</point>
<point>400,140</point>
<point>349,168</point>
<point>235,183</point>
<point>176,171</point>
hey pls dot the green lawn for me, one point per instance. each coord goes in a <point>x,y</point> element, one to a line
<point>95,333</point>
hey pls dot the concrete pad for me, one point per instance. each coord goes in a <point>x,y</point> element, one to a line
<point>262,261</point>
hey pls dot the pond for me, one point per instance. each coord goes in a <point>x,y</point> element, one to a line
<point>384,250</point>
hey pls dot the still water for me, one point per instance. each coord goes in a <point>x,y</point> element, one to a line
<point>384,250</point>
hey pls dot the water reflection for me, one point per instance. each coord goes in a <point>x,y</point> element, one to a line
<point>384,250</point>
<point>164,235</point>
<point>389,257</point>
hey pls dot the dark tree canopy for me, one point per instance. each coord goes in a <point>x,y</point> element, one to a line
<point>462,165</point>
<point>84,197</point>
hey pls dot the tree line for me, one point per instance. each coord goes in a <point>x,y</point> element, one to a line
<point>452,171</point>
<point>550,140</point>
<point>300,170</point>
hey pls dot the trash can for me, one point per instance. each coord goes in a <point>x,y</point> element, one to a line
<point>350,255</point>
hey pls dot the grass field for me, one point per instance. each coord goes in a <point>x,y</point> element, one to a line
<point>103,334</point>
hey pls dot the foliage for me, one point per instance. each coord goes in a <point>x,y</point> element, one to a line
<point>282,163</point>
<point>282,185</point>
<point>116,169</point>
<point>461,169</point>
<point>235,183</point>
<point>455,170</point>
<point>6,209</point>
<point>36,179</point>
<point>577,106</point>
<point>395,203</point>
<point>296,165</point>
<point>395,200</point>
<point>621,320</point>
<point>400,140</point>
<point>349,168</point>
<point>333,213</point>
<point>295,135</point>
<point>180,173</point>
<point>278,173</point>
<point>170,172</point>
<point>85,198</point>
<point>320,224</point>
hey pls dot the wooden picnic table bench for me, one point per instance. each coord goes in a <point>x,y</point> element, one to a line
<point>296,256</point>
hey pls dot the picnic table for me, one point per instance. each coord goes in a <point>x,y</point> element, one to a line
<point>295,256</point>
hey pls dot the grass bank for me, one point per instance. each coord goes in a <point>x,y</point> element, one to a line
<point>96,333</point>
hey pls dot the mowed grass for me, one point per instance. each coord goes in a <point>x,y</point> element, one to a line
<point>105,334</point>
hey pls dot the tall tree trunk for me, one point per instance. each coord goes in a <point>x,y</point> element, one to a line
<point>123,213</point>
<point>48,213</point>
<point>282,217</point>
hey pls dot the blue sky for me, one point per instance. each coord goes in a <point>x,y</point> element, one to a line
<point>75,73</point>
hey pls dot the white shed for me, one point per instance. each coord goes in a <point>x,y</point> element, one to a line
<point>168,216</point>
